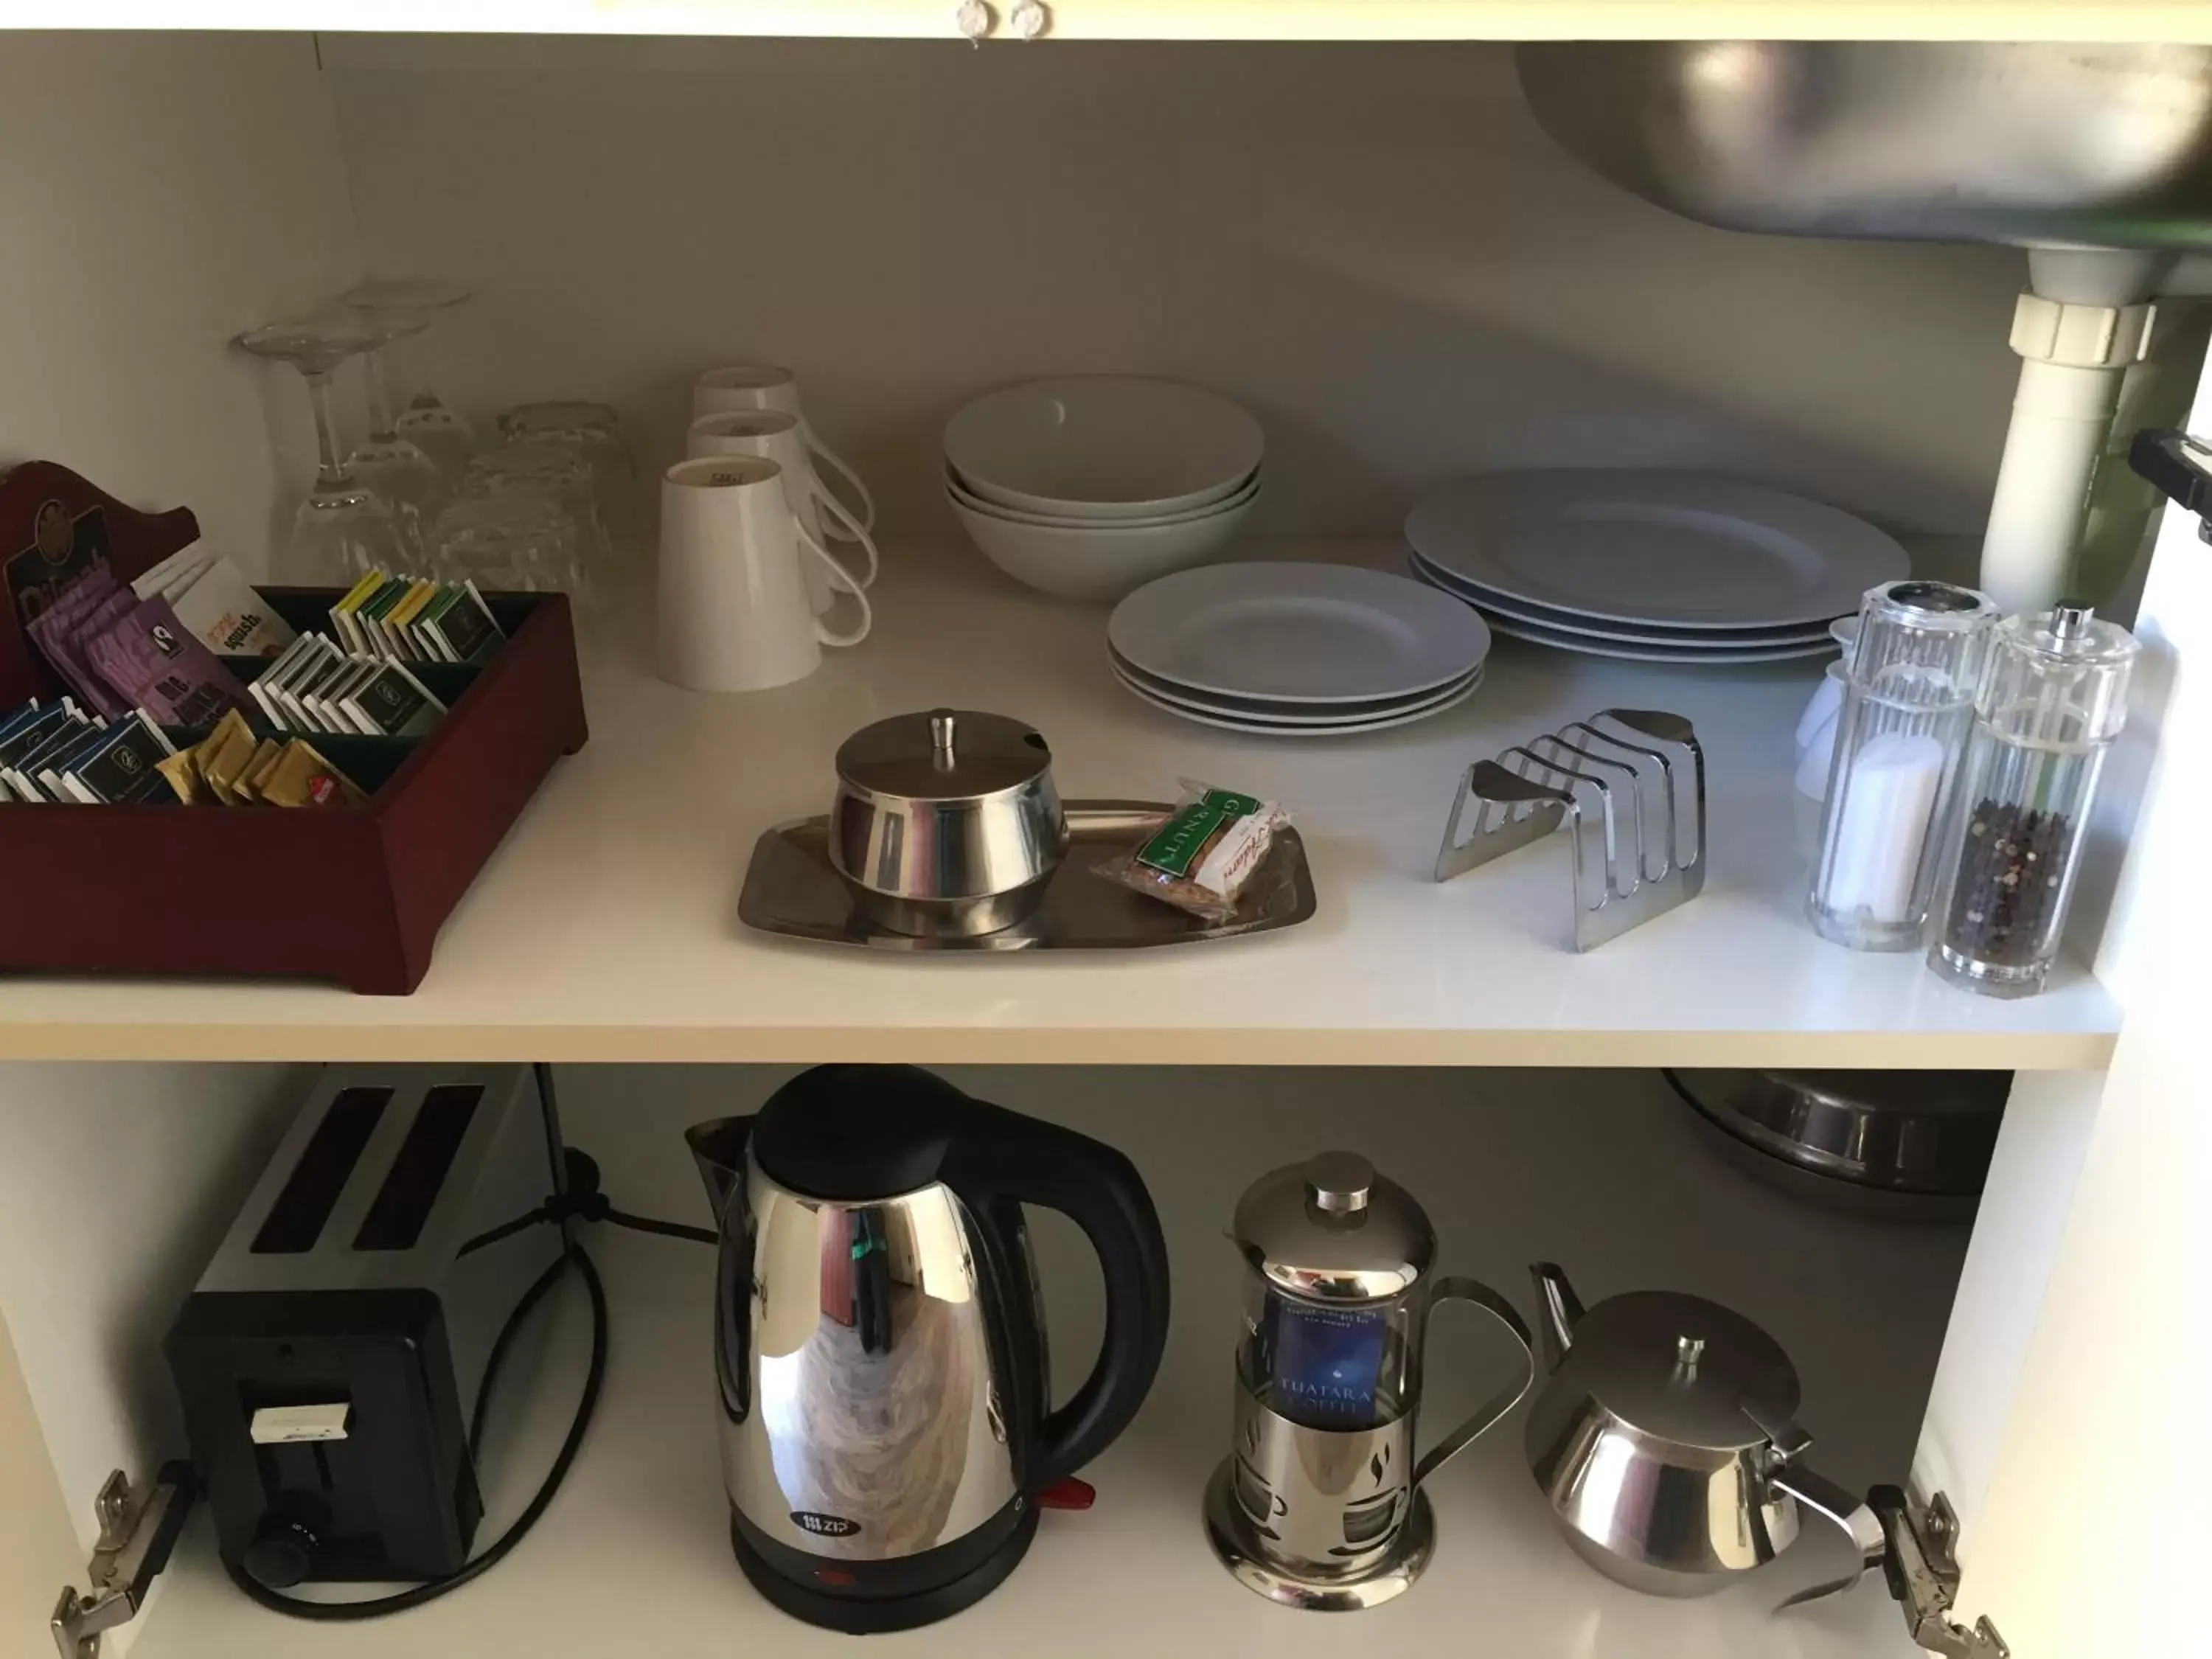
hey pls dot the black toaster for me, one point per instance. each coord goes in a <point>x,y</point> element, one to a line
<point>330,1357</point>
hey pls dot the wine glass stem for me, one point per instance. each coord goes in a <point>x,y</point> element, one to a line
<point>379,393</point>
<point>328,473</point>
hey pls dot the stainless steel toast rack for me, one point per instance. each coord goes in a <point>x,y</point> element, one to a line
<point>1626,756</point>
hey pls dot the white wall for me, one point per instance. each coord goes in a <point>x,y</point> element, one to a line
<point>161,193</point>
<point>1376,247</point>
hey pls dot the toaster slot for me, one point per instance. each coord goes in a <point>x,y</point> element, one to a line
<point>402,1204</point>
<point>295,1219</point>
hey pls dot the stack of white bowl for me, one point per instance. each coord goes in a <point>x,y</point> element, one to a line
<point>1089,486</point>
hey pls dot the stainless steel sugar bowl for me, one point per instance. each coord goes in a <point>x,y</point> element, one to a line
<point>946,821</point>
<point>1320,1504</point>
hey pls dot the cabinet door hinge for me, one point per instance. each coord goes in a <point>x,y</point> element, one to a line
<point>1922,1566</point>
<point>138,1527</point>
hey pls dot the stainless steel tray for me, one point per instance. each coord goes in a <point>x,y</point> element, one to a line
<point>791,889</point>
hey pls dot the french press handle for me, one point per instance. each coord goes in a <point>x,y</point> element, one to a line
<point>1487,1413</point>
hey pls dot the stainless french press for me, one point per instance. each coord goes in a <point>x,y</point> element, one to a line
<point>1320,1503</point>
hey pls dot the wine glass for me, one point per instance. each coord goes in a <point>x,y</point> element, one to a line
<point>395,467</point>
<point>343,528</point>
<point>426,422</point>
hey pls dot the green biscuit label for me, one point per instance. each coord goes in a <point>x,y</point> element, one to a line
<point>1179,843</point>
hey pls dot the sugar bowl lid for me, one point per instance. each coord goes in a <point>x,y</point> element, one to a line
<point>1681,1369</point>
<point>941,755</point>
<point>1331,1230</point>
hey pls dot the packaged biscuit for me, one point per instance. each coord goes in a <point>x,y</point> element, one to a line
<point>1201,856</point>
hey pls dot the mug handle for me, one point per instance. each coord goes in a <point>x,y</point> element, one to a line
<point>1468,1289</point>
<point>855,531</point>
<point>844,578</point>
<point>867,514</point>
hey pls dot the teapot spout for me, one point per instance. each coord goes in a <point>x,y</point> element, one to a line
<point>1560,1310</point>
<point>719,1148</point>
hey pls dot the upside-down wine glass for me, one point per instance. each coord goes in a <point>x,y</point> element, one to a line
<point>426,422</point>
<point>342,528</point>
<point>395,467</point>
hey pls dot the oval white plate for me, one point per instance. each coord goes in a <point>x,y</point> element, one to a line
<point>1267,714</point>
<point>1286,632</point>
<point>1565,621</point>
<point>1686,658</point>
<point>1662,550</point>
<point>1103,446</point>
<point>1457,695</point>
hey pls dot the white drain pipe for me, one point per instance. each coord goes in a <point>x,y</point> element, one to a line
<point>2084,319</point>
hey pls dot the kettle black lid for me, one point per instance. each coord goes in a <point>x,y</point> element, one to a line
<point>858,1134</point>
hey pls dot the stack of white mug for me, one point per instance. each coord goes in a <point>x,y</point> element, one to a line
<point>746,574</point>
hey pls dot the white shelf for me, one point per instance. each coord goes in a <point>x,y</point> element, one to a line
<point>605,927</point>
<point>1207,20</point>
<point>634,1555</point>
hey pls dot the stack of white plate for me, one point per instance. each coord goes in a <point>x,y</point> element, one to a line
<point>1656,567</point>
<point>1091,485</point>
<point>1296,650</point>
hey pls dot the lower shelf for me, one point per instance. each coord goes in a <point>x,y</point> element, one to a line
<point>1607,1174</point>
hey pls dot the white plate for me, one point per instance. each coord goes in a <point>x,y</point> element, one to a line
<point>1103,447</point>
<point>1566,621</point>
<point>1661,550</point>
<point>1242,709</point>
<point>1310,634</point>
<point>1456,696</point>
<point>1687,657</point>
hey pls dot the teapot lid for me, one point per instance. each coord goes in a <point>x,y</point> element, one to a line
<point>1331,1230</point>
<point>942,755</point>
<point>1681,1369</point>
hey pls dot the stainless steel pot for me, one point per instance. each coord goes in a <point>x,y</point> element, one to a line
<point>946,821</point>
<point>1907,1144</point>
<point>1665,1444</point>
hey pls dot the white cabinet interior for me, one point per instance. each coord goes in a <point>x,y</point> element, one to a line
<point>1377,249</point>
<point>1604,1170</point>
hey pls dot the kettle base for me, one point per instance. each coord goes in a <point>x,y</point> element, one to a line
<point>886,1596</point>
<point>1243,1553</point>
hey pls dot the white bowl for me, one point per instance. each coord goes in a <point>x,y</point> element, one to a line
<point>1103,447</point>
<point>1102,562</point>
<point>956,487</point>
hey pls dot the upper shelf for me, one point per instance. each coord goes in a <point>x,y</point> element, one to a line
<point>2181,20</point>
<point>606,929</point>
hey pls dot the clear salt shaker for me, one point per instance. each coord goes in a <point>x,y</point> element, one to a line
<point>1908,708</point>
<point>2054,698</point>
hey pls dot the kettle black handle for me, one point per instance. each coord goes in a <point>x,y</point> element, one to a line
<point>1000,1154</point>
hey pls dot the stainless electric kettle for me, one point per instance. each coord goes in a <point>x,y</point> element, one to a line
<point>1665,1441</point>
<point>885,1429</point>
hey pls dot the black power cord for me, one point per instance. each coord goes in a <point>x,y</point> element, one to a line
<point>579,1199</point>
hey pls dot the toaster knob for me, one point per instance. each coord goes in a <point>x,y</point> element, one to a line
<point>282,1552</point>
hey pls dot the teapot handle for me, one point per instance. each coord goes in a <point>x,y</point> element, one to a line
<point>1858,1521</point>
<point>1468,1289</point>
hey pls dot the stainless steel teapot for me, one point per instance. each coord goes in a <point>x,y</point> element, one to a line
<point>1666,1442</point>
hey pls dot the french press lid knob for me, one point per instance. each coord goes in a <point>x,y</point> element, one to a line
<point>1338,1183</point>
<point>1332,1229</point>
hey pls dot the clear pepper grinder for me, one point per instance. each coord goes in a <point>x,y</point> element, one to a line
<point>2054,699</point>
<point>1908,708</point>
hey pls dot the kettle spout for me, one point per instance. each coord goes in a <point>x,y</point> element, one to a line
<point>1561,1310</point>
<point>718,1148</point>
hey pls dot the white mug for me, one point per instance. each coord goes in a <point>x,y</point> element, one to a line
<point>734,612</point>
<point>761,385</point>
<point>777,434</point>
